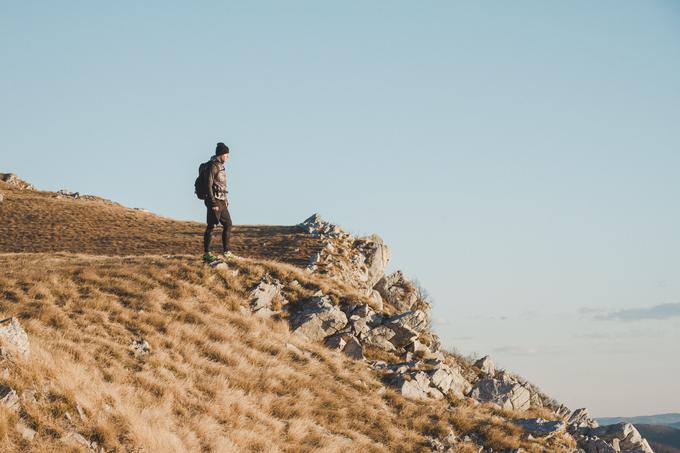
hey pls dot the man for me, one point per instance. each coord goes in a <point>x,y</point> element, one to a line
<point>216,202</point>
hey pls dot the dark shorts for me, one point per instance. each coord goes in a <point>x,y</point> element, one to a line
<point>220,216</point>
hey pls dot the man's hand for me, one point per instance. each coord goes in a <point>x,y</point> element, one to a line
<point>215,208</point>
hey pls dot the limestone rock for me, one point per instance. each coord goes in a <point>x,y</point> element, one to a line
<point>13,338</point>
<point>486,365</point>
<point>380,337</point>
<point>376,257</point>
<point>540,427</point>
<point>449,379</point>
<point>346,343</point>
<point>140,346</point>
<point>625,435</point>
<point>318,319</point>
<point>397,291</point>
<point>504,392</point>
<point>27,433</point>
<point>415,320</point>
<point>68,194</point>
<point>416,386</point>
<point>581,419</point>
<point>264,294</point>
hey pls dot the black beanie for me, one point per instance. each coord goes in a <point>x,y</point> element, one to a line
<point>221,149</point>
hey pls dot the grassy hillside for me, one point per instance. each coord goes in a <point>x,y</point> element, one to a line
<point>88,278</point>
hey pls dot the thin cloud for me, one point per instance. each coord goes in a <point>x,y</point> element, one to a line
<point>658,312</point>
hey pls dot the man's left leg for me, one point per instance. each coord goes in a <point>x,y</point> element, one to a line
<point>225,220</point>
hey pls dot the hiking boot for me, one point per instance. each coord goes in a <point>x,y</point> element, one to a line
<point>228,255</point>
<point>210,258</point>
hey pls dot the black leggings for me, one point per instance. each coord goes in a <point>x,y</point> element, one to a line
<point>213,218</point>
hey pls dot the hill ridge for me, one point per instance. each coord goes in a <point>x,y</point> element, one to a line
<point>134,323</point>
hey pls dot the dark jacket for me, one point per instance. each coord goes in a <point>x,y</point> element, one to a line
<point>217,183</point>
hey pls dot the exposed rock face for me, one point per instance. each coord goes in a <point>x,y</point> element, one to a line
<point>505,392</point>
<point>377,256</point>
<point>14,180</point>
<point>449,379</point>
<point>13,338</point>
<point>397,291</point>
<point>346,343</point>
<point>318,319</point>
<point>580,419</point>
<point>416,320</point>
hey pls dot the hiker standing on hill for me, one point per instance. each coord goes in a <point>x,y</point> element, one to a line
<point>216,203</point>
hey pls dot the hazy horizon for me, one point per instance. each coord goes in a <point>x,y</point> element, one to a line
<point>520,159</point>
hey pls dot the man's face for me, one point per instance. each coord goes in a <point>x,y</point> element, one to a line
<point>224,157</point>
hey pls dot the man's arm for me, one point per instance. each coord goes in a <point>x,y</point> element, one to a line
<point>211,179</point>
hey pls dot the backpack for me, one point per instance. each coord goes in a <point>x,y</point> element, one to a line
<point>201,183</point>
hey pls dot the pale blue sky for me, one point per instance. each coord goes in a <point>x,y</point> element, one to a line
<point>521,157</point>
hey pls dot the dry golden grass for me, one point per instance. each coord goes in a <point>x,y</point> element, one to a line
<point>35,221</point>
<point>217,379</point>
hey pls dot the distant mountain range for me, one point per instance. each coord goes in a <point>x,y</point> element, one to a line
<point>672,419</point>
<point>662,430</point>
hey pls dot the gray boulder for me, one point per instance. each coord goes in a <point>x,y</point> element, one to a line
<point>346,343</point>
<point>397,291</point>
<point>263,295</point>
<point>580,419</point>
<point>416,385</point>
<point>415,320</point>
<point>448,379</point>
<point>622,435</point>
<point>380,337</point>
<point>318,319</point>
<point>540,427</point>
<point>13,338</point>
<point>506,393</point>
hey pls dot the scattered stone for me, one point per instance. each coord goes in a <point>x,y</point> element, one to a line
<point>78,439</point>
<point>13,338</point>
<point>27,433</point>
<point>397,291</point>
<point>540,427</point>
<point>69,194</point>
<point>486,365</point>
<point>9,398</point>
<point>380,338</point>
<point>318,319</point>
<point>140,346</point>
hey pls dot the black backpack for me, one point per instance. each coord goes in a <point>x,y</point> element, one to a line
<point>201,183</point>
